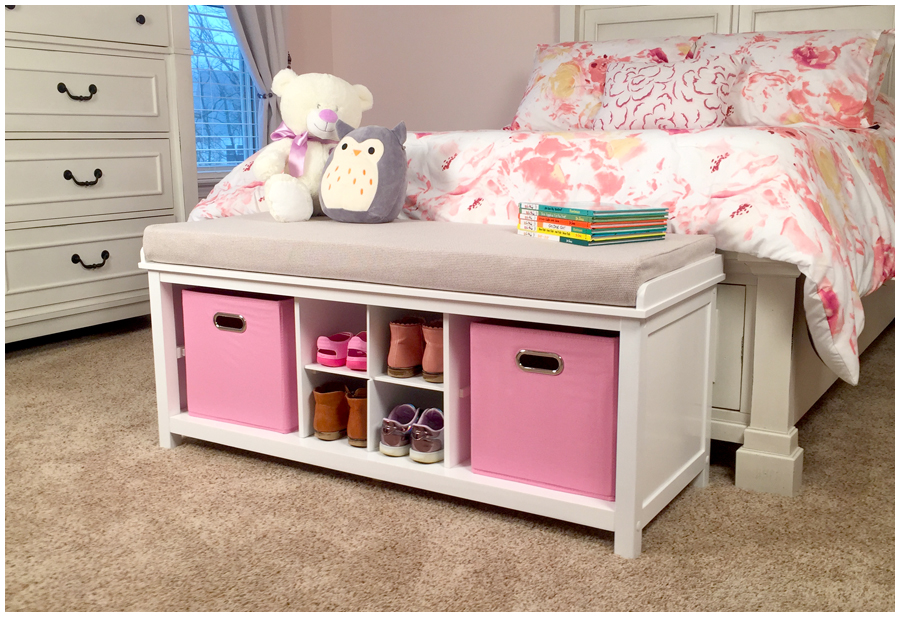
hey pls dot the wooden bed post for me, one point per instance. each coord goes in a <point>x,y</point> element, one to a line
<point>770,459</point>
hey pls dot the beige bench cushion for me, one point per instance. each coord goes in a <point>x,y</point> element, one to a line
<point>484,259</point>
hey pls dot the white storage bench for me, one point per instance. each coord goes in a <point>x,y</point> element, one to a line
<point>657,297</point>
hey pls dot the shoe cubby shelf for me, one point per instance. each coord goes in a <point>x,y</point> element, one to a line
<point>662,434</point>
<point>410,382</point>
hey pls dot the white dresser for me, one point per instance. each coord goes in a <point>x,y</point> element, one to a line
<point>99,144</point>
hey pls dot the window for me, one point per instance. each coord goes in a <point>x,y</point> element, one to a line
<point>225,105</point>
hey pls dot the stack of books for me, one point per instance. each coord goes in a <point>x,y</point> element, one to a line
<point>592,226</point>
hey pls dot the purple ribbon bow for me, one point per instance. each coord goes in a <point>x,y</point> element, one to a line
<point>299,145</point>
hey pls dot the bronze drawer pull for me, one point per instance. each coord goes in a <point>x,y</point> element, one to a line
<point>97,173</point>
<point>77,260</point>
<point>63,90</point>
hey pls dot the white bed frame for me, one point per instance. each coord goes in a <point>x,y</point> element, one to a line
<point>767,372</point>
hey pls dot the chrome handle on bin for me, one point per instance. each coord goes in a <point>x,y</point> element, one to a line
<point>230,322</point>
<point>543,362</point>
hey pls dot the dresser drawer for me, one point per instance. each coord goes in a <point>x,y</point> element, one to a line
<point>135,176</point>
<point>121,24</point>
<point>129,94</point>
<point>40,269</point>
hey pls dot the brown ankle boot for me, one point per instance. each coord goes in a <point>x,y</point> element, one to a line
<point>332,410</point>
<point>407,345</point>
<point>433,357</point>
<point>357,429</point>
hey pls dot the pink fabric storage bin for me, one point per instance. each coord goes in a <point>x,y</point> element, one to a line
<point>552,430</point>
<point>240,363</point>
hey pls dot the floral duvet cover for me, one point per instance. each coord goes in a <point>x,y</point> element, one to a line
<point>818,197</point>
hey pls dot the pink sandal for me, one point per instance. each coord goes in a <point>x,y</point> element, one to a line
<point>356,352</point>
<point>332,350</point>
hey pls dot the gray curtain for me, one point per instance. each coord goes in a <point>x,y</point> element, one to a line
<point>260,33</point>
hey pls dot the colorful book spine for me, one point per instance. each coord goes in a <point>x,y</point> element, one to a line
<point>621,237</point>
<point>552,238</point>
<point>549,224</point>
<point>599,233</point>
<point>536,214</point>
<point>591,234</point>
<point>617,241</point>
<point>535,234</point>
<point>630,224</point>
<point>618,219</point>
<point>596,239</point>
<point>556,232</point>
<point>615,209</point>
<point>579,222</point>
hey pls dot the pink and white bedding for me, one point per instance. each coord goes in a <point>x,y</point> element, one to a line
<point>794,174</point>
<point>818,197</point>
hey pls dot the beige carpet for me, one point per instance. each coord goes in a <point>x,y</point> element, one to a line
<point>98,517</point>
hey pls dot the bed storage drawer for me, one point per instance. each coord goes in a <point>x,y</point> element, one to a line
<point>64,91</point>
<point>132,178</point>
<point>40,268</point>
<point>544,408</point>
<point>144,25</point>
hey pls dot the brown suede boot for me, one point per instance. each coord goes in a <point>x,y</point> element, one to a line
<point>433,357</point>
<point>332,411</point>
<point>357,430</point>
<point>407,345</point>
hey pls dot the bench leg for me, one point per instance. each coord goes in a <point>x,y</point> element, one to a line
<point>632,339</point>
<point>165,360</point>
<point>702,479</point>
<point>627,543</point>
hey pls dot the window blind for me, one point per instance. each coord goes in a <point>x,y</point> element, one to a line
<point>225,105</point>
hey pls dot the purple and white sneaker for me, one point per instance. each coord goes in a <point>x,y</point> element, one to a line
<point>427,444</point>
<point>396,429</point>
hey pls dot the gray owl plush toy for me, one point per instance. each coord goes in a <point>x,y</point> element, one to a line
<point>365,177</point>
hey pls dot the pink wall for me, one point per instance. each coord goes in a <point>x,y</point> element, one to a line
<point>438,68</point>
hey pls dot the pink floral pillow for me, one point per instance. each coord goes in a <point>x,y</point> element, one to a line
<point>682,95</point>
<point>568,79</point>
<point>240,192</point>
<point>821,77</point>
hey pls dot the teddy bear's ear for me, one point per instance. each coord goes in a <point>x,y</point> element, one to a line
<point>364,96</point>
<point>400,132</point>
<point>281,80</point>
<point>342,128</point>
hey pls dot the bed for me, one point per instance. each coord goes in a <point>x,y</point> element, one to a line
<point>803,212</point>
<point>768,372</point>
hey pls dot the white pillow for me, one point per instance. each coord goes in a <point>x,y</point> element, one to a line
<point>681,95</point>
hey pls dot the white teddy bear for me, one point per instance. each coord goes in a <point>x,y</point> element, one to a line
<point>291,166</point>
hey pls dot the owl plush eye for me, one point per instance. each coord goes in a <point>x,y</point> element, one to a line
<point>373,148</point>
<point>344,147</point>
